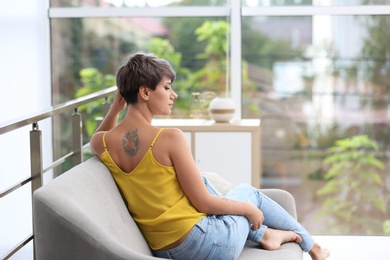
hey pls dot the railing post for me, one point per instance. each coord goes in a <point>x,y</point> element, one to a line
<point>36,162</point>
<point>77,132</point>
<point>36,157</point>
<point>106,107</point>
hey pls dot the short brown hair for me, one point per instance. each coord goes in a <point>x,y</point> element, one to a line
<point>139,70</point>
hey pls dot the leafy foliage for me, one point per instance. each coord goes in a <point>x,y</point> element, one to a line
<point>93,80</point>
<point>352,176</point>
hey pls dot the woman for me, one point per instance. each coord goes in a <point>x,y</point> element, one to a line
<point>181,215</point>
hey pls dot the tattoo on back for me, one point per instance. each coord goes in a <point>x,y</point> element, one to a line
<point>130,142</point>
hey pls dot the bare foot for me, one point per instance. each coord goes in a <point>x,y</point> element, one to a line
<point>319,253</point>
<point>273,238</point>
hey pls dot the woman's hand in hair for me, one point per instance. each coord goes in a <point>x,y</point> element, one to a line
<point>111,119</point>
<point>118,104</point>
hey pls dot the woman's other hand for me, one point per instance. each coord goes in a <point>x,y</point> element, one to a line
<point>255,217</point>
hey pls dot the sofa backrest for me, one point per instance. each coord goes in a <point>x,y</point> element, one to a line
<point>81,215</point>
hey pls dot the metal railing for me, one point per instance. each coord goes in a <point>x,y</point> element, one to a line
<point>37,169</point>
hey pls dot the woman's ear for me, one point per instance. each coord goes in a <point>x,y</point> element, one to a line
<point>144,92</point>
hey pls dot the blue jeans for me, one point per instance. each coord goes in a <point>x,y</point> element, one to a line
<point>224,236</point>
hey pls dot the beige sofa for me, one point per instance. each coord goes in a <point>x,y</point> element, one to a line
<point>81,215</point>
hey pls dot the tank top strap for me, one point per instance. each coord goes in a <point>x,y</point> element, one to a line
<point>155,138</point>
<point>104,140</point>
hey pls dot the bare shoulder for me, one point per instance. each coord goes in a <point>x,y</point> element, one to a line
<point>96,143</point>
<point>173,137</point>
<point>173,133</point>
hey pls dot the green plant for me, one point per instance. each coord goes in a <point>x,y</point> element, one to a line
<point>213,75</point>
<point>354,201</point>
<point>92,80</point>
<point>386,227</point>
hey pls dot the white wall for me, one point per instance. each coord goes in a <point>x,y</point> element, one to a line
<point>25,89</point>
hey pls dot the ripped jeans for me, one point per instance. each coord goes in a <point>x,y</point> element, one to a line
<point>224,236</point>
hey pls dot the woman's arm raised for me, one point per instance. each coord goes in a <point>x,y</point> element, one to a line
<point>109,121</point>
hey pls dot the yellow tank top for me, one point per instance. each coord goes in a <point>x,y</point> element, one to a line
<point>154,198</point>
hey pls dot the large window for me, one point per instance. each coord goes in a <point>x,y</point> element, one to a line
<point>315,72</point>
<point>86,52</point>
<point>322,86</point>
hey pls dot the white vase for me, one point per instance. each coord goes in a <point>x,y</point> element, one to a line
<point>222,109</point>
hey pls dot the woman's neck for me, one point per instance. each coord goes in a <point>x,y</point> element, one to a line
<point>138,114</point>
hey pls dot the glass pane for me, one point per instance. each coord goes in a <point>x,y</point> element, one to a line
<point>135,3</point>
<point>87,52</point>
<point>258,3</point>
<point>16,219</point>
<point>319,80</point>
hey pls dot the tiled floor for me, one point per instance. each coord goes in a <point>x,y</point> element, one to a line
<point>355,247</point>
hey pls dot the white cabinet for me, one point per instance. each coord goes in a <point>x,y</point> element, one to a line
<point>226,153</point>
<point>230,149</point>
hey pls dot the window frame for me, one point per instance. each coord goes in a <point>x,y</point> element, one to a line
<point>234,10</point>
